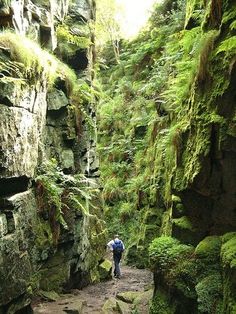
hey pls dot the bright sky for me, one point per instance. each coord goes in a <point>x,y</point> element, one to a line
<point>136,14</point>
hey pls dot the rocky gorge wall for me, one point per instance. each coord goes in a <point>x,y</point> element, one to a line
<point>50,217</point>
<point>168,155</point>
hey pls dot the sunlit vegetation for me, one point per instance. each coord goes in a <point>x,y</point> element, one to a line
<point>161,110</point>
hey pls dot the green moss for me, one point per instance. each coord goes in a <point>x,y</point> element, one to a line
<point>110,306</point>
<point>183,277</point>
<point>28,57</point>
<point>228,236</point>
<point>166,225</point>
<point>209,249</point>
<point>66,36</point>
<point>161,304</point>
<point>44,238</point>
<point>53,278</point>
<point>183,223</point>
<point>164,252</point>
<point>49,295</point>
<point>175,199</point>
<point>105,269</point>
<point>128,296</point>
<point>228,251</point>
<point>28,62</point>
<point>209,294</point>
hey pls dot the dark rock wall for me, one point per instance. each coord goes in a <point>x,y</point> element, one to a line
<point>46,243</point>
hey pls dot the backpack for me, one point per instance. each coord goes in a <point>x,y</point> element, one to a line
<point>117,247</point>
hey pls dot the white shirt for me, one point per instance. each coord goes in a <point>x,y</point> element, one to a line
<point>110,243</point>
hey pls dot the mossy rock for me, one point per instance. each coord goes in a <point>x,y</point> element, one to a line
<point>178,210</point>
<point>21,305</point>
<point>110,307</point>
<point>210,294</point>
<point>228,251</point>
<point>123,307</point>
<point>184,277</point>
<point>209,249</point>
<point>161,304</point>
<point>184,230</point>
<point>142,301</point>
<point>105,269</point>
<point>228,236</point>
<point>183,223</point>
<point>44,239</point>
<point>49,295</point>
<point>166,252</point>
<point>128,296</point>
<point>55,273</point>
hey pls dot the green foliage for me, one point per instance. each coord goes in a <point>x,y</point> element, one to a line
<point>161,304</point>
<point>166,251</point>
<point>29,63</point>
<point>227,46</point>
<point>155,130</point>
<point>126,211</point>
<point>65,34</point>
<point>209,249</point>
<point>228,250</point>
<point>184,276</point>
<point>70,39</point>
<point>49,197</point>
<point>5,3</point>
<point>229,15</point>
<point>209,294</point>
<point>136,155</point>
<point>183,223</point>
<point>58,193</point>
<point>28,58</point>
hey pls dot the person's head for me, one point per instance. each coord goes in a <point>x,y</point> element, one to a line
<point>116,236</point>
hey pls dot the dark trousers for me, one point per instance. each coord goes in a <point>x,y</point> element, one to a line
<point>117,258</point>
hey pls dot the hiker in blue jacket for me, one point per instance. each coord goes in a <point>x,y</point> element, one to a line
<point>117,247</point>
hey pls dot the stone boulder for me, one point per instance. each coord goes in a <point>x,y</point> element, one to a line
<point>105,269</point>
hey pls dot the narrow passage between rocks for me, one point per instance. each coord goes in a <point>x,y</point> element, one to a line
<point>130,294</point>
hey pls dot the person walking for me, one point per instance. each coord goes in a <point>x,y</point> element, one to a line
<point>117,247</point>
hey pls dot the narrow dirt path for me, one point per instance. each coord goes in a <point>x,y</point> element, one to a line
<point>91,299</point>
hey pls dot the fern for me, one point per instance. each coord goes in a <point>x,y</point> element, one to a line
<point>228,46</point>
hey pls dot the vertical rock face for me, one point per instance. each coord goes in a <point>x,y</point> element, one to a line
<point>198,274</point>
<point>22,122</point>
<point>51,234</point>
